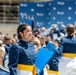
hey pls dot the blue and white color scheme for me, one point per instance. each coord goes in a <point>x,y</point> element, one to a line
<point>48,13</point>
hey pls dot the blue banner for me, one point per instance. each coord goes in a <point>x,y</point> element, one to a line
<point>47,13</point>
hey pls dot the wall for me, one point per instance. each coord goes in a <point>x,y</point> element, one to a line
<point>8,28</point>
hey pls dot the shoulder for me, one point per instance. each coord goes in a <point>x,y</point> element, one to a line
<point>15,48</point>
<point>14,45</point>
<point>63,39</point>
<point>74,38</point>
<point>30,43</point>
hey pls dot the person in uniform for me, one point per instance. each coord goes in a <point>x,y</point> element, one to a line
<point>52,65</point>
<point>21,54</point>
<point>67,48</point>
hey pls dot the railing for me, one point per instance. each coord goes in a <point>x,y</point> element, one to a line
<point>9,13</point>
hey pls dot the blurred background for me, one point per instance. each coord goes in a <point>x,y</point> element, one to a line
<point>58,12</point>
<point>9,15</point>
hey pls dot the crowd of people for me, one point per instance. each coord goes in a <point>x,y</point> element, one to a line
<point>21,49</point>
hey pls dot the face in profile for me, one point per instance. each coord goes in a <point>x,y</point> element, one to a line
<point>26,34</point>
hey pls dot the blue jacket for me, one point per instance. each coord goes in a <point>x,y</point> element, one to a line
<point>7,47</point>
<point>20,53</point>
<point>67,45</point>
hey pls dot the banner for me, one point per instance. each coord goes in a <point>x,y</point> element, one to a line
<point>47,13</point>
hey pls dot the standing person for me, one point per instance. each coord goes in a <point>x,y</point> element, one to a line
<point>21,54</point>
<point>67,48</point>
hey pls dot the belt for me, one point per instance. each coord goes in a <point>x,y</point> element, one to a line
<point>69,55</point>
<point>27,68</point>
<point>50,72</point>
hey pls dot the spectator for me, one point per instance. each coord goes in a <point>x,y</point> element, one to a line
<point>37,44</point>
<point>62,29</point>
<point>67,48</point>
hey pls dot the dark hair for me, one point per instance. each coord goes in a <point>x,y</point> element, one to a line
<point>70,29</point>
<point>21,28</point>
<point>14,35</point>
<point>7,38</point>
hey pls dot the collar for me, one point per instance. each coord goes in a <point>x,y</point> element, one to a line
<point>22,41</point>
